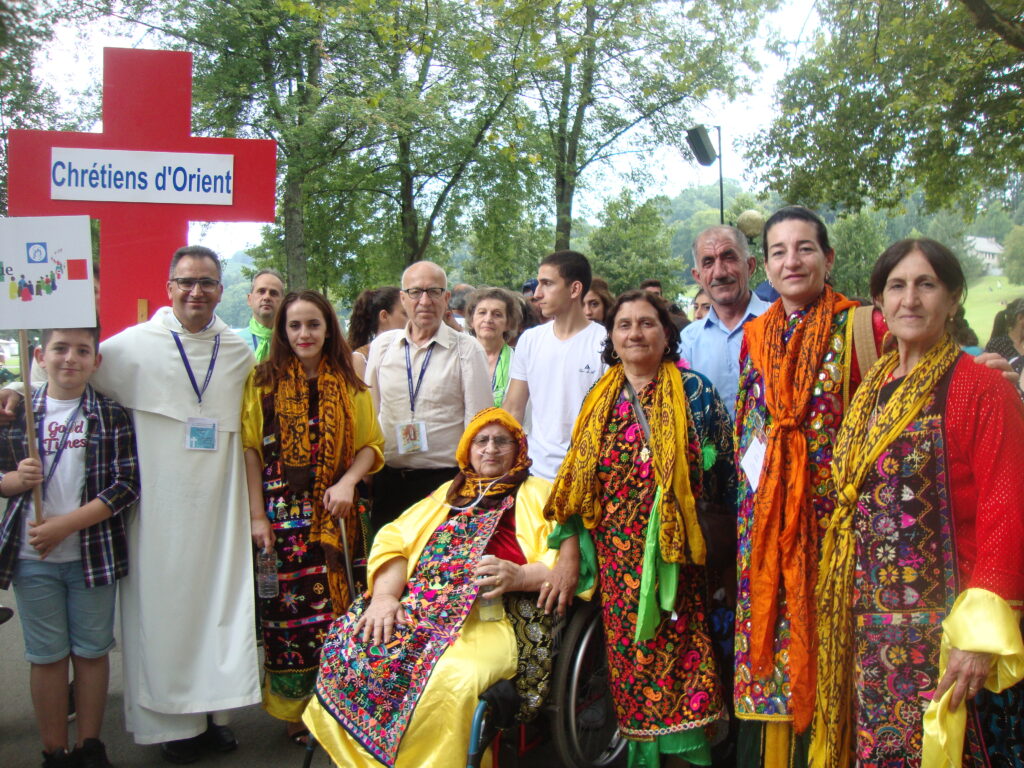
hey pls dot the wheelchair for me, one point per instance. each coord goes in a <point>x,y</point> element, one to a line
<point>579,712</point>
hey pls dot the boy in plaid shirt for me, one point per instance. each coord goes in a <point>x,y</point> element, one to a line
<point>65,569</point>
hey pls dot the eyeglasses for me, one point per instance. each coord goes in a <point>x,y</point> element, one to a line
<point>415,293</point>
<point>188,284</point>
<point>501,444</point>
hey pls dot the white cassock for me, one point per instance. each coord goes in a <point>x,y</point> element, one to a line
<point>187,613</point>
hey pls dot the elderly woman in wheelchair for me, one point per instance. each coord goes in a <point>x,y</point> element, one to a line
<point>400,673</point>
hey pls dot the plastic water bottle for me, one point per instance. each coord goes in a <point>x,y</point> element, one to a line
<point>266,573</point>
<point>490,608</point>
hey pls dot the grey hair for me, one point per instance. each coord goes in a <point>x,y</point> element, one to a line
<point>266,271</point>
<point>737,237</point>
<point>443,274</point>
<point>512,309</point>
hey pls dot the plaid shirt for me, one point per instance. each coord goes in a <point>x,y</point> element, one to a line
<point>111,475</point>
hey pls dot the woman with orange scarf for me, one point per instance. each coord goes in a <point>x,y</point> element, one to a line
<point>310,435</point>
<point>794,385</point>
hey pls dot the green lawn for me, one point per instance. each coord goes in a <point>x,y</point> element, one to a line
<point>984,299</point>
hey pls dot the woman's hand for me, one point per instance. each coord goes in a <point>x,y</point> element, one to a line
<point>557,591</point>
<point>966,674</point>
<point>339,499</point>
<point>379,619</point>
<point>1001,364</point>
<point>498,576</point>
<point>262,532</point>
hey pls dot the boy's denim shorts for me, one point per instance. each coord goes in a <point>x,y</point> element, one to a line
<point>59,614</point>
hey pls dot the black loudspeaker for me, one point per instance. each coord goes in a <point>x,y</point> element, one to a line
<point>700,143</point>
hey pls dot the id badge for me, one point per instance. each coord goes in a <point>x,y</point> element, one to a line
<point>200,434</point>
<point>411,437</point>
<point>753,460</point>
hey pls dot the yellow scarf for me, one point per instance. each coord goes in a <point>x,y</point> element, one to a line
<point>859,444</point>
<point>576,489</point>
<point>334,455</point>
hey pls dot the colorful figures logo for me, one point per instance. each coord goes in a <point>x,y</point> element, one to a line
<point>28,285</point>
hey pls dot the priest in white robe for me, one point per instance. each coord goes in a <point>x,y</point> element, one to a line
<point>187,612</point>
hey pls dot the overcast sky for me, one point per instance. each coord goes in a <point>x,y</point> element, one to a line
<point>74,65</point>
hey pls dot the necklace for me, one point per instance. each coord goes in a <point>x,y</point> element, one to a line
<point>640,416</point>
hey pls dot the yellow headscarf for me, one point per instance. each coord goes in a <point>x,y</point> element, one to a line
<point>469,484</point>
<point>576,489</point>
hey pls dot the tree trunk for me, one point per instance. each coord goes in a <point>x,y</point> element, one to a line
<point>565,189</point>
<point>294,230</point>
<point>407,218</point>
<point>570,129</point>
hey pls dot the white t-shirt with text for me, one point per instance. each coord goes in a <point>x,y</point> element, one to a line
<point>559,374</point>
<point>63,493</point>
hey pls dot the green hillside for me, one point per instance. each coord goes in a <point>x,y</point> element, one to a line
<point>984,299</point>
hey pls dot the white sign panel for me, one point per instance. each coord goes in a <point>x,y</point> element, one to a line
<point>141,177</point>
<point>46,265</point>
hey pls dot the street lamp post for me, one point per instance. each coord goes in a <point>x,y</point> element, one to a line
<point>700,143</point>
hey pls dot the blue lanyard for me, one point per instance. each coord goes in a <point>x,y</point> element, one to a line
<point>188,368</point>
<point>414,393</point>
<point>41,427</point>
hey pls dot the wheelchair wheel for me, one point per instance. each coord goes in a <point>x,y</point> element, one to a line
<point>585,730</point>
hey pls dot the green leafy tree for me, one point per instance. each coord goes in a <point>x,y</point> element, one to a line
<point>623,75</point>
<point>26,28</point>
<point>380,109</point>
<point>898,94</point>
<point>1013,256</point>
<point>632,243</point>
<point>858,240</point>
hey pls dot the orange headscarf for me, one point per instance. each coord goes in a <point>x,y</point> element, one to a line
<point>784,541</point>
<point>469,484</point>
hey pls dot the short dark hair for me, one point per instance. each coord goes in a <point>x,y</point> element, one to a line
<point>47,334</point>
<point>266,271</point>
<point>660,306</point>
<point>336,350</point>
<point>194,252</point>
<point>942,260</point>
<point>698,293</point>
<point>651,282</point>
<point>572,266</point>
<point>460,293</point>
<point>513,310</point>
<point>799,213</point>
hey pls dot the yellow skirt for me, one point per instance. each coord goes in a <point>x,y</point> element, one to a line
<point>438,732</point>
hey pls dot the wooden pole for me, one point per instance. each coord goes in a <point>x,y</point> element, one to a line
<point>30,417</point>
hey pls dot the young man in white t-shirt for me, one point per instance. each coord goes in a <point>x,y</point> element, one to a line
<point>557,363</point>
<point>65,568</point>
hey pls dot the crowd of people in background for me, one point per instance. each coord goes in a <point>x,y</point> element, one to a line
<point>799,514</point>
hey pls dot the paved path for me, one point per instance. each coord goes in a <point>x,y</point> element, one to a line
<point>262,741</point>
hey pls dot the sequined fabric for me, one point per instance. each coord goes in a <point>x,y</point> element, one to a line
<point>769,699</point>
<point>295,622</point>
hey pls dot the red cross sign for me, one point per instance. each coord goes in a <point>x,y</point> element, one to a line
<point>145,177</point>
